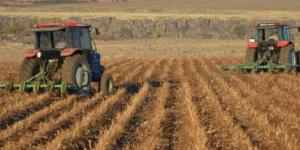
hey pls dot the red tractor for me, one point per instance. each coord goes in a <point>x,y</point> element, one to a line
<point>64,57</point>
<point>273,48</point>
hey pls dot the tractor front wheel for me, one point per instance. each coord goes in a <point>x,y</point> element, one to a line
<point>107,85</point>
<point>288,56</point>
<point>76,72</point>
<point>251,55</point>
<point>29,68</point>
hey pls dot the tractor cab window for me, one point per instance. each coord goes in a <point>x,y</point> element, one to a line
<point>80,38</point>
<point>51,39</point>
<point>44,40</point>
<point>59,38</point>
<point>272,33</point>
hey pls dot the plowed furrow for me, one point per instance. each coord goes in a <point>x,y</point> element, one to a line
<point>94,127</point>
<point>148,71</point>
<point>108,136</point>
<point>274,88</point>
<point>274,93</point>
<point>150,129</point>
<point>289,82</point>
<point>277,115</point>
<point>2,94</point>
<point>10,99</point>
<point>118,130</point>
<point>125,71</point>
<point>29,124</point>
<point>83,130</point>
<point>141,72</point>
<point>128,136</point>
<point>48,130</point>
<point>221,130</point>
<point>169,124</point>
<point>20,111</point>
<point>189,133</point>
<point>9,71</point>
<point>264,103</point>
<point>159,74</point>
<point>109,64</point>
<point>252,122</point>
<point>116,68</point>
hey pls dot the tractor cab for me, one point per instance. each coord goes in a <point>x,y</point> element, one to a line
<point>59,36</point>
<point>271,37</point>
<point>54,40</point>
<point>272,31</point>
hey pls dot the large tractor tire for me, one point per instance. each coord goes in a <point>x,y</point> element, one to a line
<point>76,72</point>
<point>107,85</point>
<point>251,55</point>
<point>288,56</point>
<point>29,68</point>
<point>298,59</point>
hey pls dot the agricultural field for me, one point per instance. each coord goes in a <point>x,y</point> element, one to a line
<point>170,92</point>
<point>160,103</point>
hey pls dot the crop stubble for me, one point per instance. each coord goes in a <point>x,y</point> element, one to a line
<point>170,103</point>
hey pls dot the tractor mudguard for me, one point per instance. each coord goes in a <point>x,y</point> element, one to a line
<point>252,45</point>
<point>69,52</point>
<point>30,53</point>
<point>283,43</point>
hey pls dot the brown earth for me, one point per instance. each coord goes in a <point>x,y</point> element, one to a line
<point>171,103</point>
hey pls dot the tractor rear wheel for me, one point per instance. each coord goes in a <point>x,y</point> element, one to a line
<point>251,55</point>
<point>107,85</point>
<point>298,59</point>
<point>288,56</point>
<point>76,72</point>
<point>29,68</point>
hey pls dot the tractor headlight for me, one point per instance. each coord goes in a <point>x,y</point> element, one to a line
<point>39,54</point>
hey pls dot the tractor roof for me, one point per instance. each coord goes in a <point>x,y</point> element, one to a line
<point>60,25</point>
<point>272,24</point>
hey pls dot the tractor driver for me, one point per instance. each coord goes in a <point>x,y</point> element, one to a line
<point>274,36</point>
<point>61,43</point>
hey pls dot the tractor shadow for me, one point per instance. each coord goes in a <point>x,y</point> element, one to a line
<point>134,87</point>
<point>130,87</point>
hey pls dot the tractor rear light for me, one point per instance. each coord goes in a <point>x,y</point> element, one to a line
<point>282,43</point>
<point>252,44</point>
